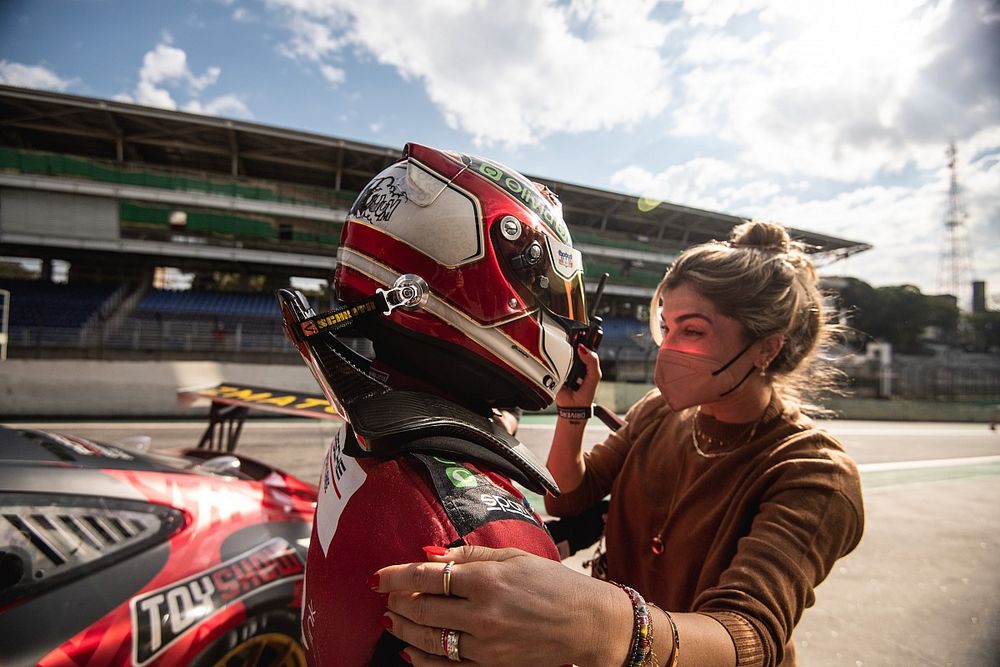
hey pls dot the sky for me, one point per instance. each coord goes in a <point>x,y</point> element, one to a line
<point>827,116</point>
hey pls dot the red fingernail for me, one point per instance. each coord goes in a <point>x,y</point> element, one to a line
<point>386,623</point>
<point>404,656</point>
<point>373,582</point>
<point>435,551</point>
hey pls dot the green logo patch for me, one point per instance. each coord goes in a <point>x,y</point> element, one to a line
<point>460,477</point>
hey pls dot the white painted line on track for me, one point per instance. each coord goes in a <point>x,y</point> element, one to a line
<point>911,432</point>
<point>928,463</point>
<point>937,430</point>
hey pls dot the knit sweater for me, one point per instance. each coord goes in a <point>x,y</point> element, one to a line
<point>746,536</point>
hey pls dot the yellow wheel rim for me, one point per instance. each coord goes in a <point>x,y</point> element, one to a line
<point>281,651</point>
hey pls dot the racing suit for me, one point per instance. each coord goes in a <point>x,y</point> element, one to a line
<point>375,512</point>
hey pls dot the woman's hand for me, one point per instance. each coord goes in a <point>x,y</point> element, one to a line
<point>510,608</point>
<point>566,461</point>
<point>583,396</point>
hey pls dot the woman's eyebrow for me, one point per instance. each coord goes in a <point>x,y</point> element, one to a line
<point>689,316</point>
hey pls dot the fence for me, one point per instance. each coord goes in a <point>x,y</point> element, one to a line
<point>952,377</point>
<point>164,339</point>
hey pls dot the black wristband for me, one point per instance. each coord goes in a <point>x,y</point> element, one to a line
<point>576,414</point>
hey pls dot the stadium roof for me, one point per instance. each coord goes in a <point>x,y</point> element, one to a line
<point>129,133</point>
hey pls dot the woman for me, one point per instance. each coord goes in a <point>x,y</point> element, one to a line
<point>727,508</point>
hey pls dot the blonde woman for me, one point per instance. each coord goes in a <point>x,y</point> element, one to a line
<point>728,506</point>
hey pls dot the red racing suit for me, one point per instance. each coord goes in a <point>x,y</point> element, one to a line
<point>377,512</point>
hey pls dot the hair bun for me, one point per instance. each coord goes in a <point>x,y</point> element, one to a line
<point>760,234</point>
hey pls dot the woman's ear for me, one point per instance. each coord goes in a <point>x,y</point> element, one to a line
<point>769,349</point>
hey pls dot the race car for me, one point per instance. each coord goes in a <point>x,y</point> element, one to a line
<point>114,556</point>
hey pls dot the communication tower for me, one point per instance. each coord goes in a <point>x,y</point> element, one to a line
<point>955,271</point>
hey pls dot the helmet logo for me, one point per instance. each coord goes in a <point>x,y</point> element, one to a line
<point>565,259</point>
<point>379,201</point>
<point>523,191</point>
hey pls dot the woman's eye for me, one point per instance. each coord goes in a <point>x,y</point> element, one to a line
<point>693,333</point>
<point>663,328</point>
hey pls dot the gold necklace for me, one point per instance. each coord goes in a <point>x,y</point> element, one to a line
<point>749,433</point>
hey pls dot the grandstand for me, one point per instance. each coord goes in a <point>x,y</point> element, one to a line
<point>120,191</point>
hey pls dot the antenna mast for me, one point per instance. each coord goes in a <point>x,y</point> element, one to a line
<point>955,271</point>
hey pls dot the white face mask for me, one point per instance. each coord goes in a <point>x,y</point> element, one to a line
<point>687,379</point>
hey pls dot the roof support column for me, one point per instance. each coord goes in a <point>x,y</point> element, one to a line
<point>339,170</point>
<point>234,153</point>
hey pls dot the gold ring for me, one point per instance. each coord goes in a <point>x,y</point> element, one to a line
<point>449,642</point>
<point>447,577</point>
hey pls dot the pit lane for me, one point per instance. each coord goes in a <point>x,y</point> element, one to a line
<point>921,589</point>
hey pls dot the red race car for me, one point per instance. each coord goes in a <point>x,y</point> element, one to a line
<point>114,556</point>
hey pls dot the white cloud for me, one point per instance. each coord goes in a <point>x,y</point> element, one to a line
<point>834,117</point>
<point>32,76</point>
<point>819,89</point>
<point>502,75</point>
<point>717,13</point>
<point>165,71</point>
<point>224,105</point>
<point>244,15</point>
<point>904,223</point>
<point>334,75</point>
<point>313,39</point>
<point>697,182</point>
<point>167,65</point>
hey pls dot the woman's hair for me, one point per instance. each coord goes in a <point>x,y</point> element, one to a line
<point>765,281</point>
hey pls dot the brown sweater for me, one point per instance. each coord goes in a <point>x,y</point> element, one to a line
<point>747,536</point>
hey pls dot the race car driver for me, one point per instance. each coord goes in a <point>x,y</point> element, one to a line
<point>462,274</point>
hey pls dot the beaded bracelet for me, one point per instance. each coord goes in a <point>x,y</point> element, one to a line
<point>642,629</point>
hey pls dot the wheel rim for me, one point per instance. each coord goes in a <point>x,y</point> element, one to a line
<point>272,648</point>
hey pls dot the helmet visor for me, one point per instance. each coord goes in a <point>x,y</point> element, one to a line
<point>545,269</point>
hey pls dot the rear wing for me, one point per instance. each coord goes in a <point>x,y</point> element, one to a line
<point>298,404</point>
<point>230,403</point>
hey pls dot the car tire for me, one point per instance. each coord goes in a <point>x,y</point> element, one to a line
<point>267,639</point>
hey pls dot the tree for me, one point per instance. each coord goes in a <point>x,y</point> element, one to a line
<point>985,330</point>
<point>897,314</point>
<point>901,317</point>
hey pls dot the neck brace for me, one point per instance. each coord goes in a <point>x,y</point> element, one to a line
<point>387,422</point>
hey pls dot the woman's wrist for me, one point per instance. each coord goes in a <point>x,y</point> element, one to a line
<point>610,621</point>
<point>575,413</point>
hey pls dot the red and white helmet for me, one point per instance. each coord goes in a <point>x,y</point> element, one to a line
<point>505,284</point>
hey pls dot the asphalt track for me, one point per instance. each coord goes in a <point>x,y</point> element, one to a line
<point>923,587</point>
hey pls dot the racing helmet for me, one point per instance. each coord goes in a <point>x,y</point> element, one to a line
<point>504,290</point>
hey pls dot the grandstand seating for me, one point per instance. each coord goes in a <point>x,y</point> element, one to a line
<point>198,302</point>
<point>46,312</point>
<point>220,224</point>
<point>622,274</point>
<point>192,320</point>
<point>52,164</point>
<point>582,235</point>
<point>624,330</point>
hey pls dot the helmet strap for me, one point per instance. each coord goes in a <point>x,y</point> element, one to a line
<point>409,292</point>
